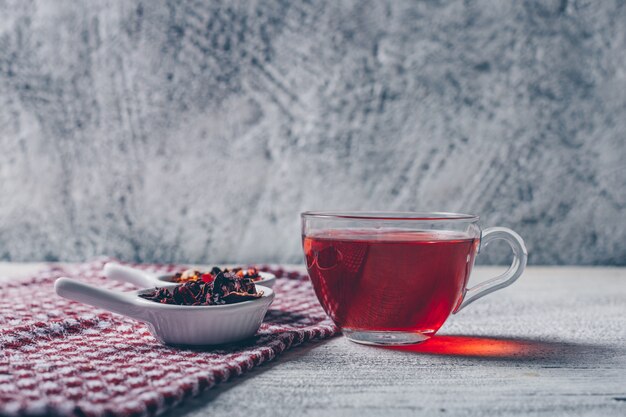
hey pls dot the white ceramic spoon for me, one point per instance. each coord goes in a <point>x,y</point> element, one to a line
<point>144,279</point>
<point>174,324</point>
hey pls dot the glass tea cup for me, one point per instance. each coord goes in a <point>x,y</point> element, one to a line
<point>388,278</point>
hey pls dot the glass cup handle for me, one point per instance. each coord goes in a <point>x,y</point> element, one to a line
<point>520,256</point>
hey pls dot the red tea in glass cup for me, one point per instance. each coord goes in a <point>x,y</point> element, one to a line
<point>390,278</point>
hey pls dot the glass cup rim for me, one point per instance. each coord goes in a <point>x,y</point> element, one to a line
<point>391,215</point>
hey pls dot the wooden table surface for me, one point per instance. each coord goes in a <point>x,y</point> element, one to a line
<point>552,344</point>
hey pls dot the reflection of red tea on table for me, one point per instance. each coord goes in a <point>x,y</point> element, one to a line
<point>389,280</point>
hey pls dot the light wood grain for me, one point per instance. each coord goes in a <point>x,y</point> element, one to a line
<point>551,345</point>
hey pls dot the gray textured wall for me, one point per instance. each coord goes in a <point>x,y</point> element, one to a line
<point>196,131</point>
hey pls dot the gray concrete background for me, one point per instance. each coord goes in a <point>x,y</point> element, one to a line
<point>197,131</point>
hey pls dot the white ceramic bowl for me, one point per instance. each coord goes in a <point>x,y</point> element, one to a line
<point>174,324</point>
<point>144,279</point>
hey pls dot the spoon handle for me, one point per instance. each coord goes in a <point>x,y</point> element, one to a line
<point>114,301</point>
<point>134,276</point>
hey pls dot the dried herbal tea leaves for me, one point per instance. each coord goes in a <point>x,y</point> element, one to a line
<point>222,288</point>
<point>195,275</point>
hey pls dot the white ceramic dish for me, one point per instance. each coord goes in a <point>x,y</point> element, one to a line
<point>173,324</point>
<point>144,279</point>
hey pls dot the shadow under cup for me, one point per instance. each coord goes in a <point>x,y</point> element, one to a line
<point>389,278</point>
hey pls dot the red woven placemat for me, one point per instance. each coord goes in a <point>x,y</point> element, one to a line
<point>65,358</point>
